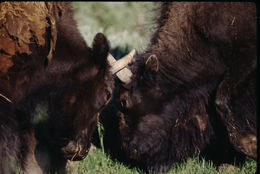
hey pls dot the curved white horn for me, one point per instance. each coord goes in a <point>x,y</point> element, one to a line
<point>124,75</point>
<point>119,67</point>
<point>121,63</point>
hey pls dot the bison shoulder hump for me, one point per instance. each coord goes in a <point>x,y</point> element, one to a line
<point>20,22</point>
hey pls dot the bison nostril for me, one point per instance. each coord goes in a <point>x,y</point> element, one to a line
<point>75,151</point>
<point>70,148</point>
<point>134,151</point>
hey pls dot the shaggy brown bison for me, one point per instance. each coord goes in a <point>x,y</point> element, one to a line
<point>44,60</point>
<point>193,91</point>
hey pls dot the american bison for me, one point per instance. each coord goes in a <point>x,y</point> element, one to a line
<point>44,60</point>
<point>193,91</point>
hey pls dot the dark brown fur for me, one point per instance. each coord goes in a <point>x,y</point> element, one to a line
<point>201,91</point>
<point>45,60</point>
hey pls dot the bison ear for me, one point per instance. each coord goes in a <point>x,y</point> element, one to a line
<point>152,63</point>
<point>100,47</point>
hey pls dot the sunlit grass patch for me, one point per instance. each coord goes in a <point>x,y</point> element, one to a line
<point>98,162</point>
<point>200,165</point>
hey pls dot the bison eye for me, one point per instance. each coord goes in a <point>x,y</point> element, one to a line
<point>108,95</point>
<point>123,103</point>
<point>59,13</point>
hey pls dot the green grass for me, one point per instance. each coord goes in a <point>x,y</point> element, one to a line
<point>98,162</point>
<point>129,25</point>
<point>202,166</point>
<point>100,129</point>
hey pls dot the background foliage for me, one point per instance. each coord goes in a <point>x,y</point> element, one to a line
<point>127,25</point>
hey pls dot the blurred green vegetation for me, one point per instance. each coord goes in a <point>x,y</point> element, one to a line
<point>41,114</point>
<point>126,24</point>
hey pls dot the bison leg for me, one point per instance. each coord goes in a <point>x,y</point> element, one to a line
<point>236,105</point>
<point>29,163</point>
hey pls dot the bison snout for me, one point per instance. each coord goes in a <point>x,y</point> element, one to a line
<point>75,151</point>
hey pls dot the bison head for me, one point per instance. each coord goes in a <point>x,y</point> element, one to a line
<point>85,88</point>
<point>80,85</point>
<point>142,128</point>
